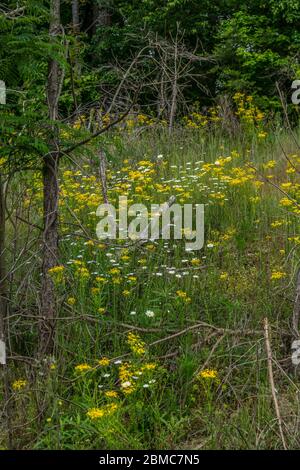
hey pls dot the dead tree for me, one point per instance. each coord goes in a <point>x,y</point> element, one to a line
<point>50,194</point>
<point>176,71</point>
<point>101,14</point>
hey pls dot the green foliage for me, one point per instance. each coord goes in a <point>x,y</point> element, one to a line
<point>256,51</point>
<point>209,386</point>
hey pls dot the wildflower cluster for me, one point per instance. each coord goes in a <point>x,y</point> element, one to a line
<point>107,410</point>
<point>19,384</point>
<point>136,345</point>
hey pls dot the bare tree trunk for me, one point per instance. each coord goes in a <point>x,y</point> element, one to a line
<point>3,314</point>
<point>101,14</point>
<point>76,30</point>
<point>51,193</point>
<point>173,106</point>
<point>161,105</point>
<point>2,263</point>
<point>174,90</point>
<point>102,174</point>
<point>75,16</point>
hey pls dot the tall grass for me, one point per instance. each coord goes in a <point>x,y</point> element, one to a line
<point>204,386</point>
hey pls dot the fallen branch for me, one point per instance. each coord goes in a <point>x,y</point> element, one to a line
<point>221,331</point>
<point>271,379</point>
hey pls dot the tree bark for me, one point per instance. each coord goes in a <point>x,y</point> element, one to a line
<point>102,16</point>
<point>3,297</point>
<point>3,315</point>
<point>174,90</point>
<point>51,194</point>
<point>75,16</point>
<point>76,31</point>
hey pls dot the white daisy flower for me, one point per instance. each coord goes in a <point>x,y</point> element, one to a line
<point>149,313</point>
<point>126,384</point>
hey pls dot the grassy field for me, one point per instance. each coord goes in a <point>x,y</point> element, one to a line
<point>157,347</point>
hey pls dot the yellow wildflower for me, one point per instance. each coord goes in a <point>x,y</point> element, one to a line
<point>183,295</point>
<point>223,276</point>
<point>82,367</point>
<point>103,362</point>
<point>95,413</point>
<point>56,270</point>
<point>71,301</point>
<point>208,374</point>
<point>277,275</point>
<point>114,271</point>
<point>136,345</point>
<point>111,394</point>
<point>19,384</point>
<point>286,202</point>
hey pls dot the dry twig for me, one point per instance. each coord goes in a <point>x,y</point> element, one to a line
<point>271,379</point>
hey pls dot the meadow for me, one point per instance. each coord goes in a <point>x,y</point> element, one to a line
<point>157,347</point>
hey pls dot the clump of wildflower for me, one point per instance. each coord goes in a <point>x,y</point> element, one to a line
<point>269,164</point>
<point>223,276</point>
<point>136,345</point>
<point>19,384</point>
<point>261,135</point>
<point>150,247</point>
<point>254,199</point>
<point>111,394</point>
<point>277,275</point>
<point>71,301</point>
<point>82,273</point>
<point>126,385</point>
<point>277,223</point>
<point>57,273</point>
<point>95,290</point>
<point>56,269</point>
<point>125,377</point>
<point>115,271</point>
<point>208,374</point>
<point>195,261</point>
<point>183,295</point>
<point>149,366</point>
<point>83,368</point>
<point>286,202</point>
<point>95,413</point>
